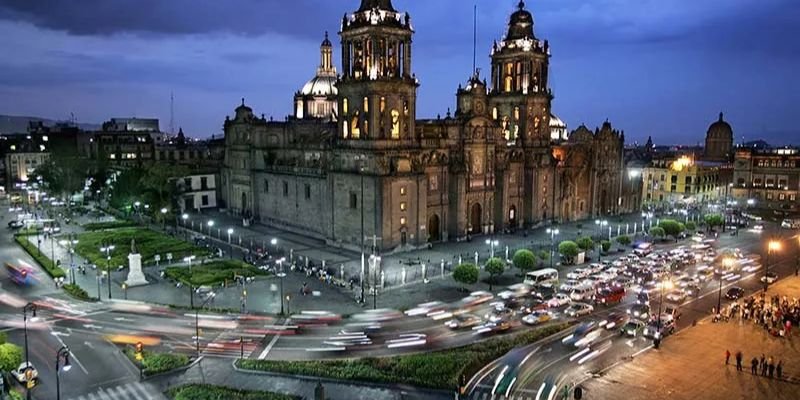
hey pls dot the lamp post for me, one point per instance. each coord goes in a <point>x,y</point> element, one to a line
<point>772,246</point>
<point>164,219</point>
<point>185,217</point>
<point>210,224</point>
<point>281,275</point>
<point>188,259</point>
<point>492,244</point>
<point>288,300</point>
<point>28,308</point>
<point>230,244</point>
<point>665,284</point>
<point>71,243</point>
<point>63,353</point>
<point>108,248</point>
<point>197,321</point>
<point>553,233</point>
<point>125,290</point>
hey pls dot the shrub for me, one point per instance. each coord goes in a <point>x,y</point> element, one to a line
<point>543,255</point>
<point>624,240</point>
<point>691,226</point>
<point>210,392</point>
<point>605,245</point>
<point>525,260</point>
<point>657,232</point>
<point>437,369</point>
<point>466,273</point>
<point>585,243</point>
<point>41,259</point>
<point>10,357</point>
<point>212,273</point>
<point>568,249</point>
<point>671,227</point>
<point>495,267</point>
<point>713,220</point>
<point>77,292</point>
<point>157,363</point>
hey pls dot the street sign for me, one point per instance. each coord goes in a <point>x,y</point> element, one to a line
<point>158,257</point>
<point>169,256</point>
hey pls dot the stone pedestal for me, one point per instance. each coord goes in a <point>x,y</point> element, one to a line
<point>135,274</point>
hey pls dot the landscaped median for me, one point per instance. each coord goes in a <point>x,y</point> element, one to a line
<point>99,226</point>
<point>157,363</point>
<point>41,259</point>
<point>148,244</point>
<point>212,273</point>
<point>209,392</point>
<point>437,370</point>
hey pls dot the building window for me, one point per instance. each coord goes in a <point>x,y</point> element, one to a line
<point>781,197</point>
<point>204,200</point>
<point>403,221</point>
<point>187,182</point>
<point>285,189</point>
<point>366,105</point>
<point>383,104</point>
<point>403,206</point>
<point>402,191</point>
<point>266,186</point>
<point>344,106</point>
<point>395,124</point>
<point>516,113</point>
<point>308,191</point>
<point>792,197</point>
<point>203,183</point>
<point>494,113</point>
<point>353,201</point>
<point>769,196</point>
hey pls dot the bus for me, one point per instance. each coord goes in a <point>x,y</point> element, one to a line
<point>546,276</point>
<point>21,275</point>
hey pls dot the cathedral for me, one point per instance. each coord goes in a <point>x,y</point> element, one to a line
<point>354,162</point>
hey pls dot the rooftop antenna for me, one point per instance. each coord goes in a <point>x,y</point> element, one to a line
<point>171,113</point>
<point>474,36</point>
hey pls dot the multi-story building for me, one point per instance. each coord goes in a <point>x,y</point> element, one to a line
<point>684,180</point>
<point>197,191</point>
<point>370,168</point>
<point>768,178</point>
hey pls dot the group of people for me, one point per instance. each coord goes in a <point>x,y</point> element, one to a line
<point>777,315</point>
<point>766,366</point>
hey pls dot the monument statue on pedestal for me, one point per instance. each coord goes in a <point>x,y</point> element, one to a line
<point>135,275</point>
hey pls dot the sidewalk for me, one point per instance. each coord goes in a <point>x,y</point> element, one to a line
<point>691,365</point>
<point>221,372</point>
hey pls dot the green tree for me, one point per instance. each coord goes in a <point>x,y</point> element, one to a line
<point>585,243</point>
<point>10,357</point>
<point>543,255</point>
<point>605,245</point>
<point>63,174</point>
<point>671,227</point>
<point>525,260</point>
<point>125,188</point>
<point>691,226</point>
<point>3,337</point>
<point>713,220</point>
<point>495,267</point>
<point>569,250</point>
<point>159,184</point>
<point>657,232</point>
<point>466,273</point>
<point>624,240</point>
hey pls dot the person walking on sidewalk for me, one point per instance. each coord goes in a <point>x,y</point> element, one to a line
<point>754,366</point>
<point>779,369</point>
<point>739,357</point>
<point>728,356</point>
<point>763,365</point>
<point>771,367</point>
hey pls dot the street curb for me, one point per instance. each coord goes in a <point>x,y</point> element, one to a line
<point>343,381</point>
<point>176,370</point>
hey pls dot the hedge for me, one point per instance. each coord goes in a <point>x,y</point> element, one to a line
<point>78,292</point>
<point>212,273</point>
<point>157,363</point>
<point>98,226</point>
<point>437,369</point>
<point>41,259</point>
<point>210,392</point>
<point>148,244</point>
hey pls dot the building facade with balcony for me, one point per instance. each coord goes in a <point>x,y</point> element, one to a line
<point>768,178</point>
<point>684,181</point>
<point>197,192</point>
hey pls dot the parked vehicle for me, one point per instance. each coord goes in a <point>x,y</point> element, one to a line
<point>609,295</point>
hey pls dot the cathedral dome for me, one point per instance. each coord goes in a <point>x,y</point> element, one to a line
<point>521,24</point>
<point>720,129</point>
<point>321,85</point>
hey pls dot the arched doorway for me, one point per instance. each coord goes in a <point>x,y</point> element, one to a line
<point>434,234</point>
<point>476,225</point>
<point>512,217</point>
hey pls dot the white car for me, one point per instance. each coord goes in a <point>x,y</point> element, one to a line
<point>677,296</point>
<point>578,309</point>
<point>578,274</point>
<point>537,317</point>
<point>20,375</point>
<point>426,308</point>
<point>558,300</point>
<point>569,285</point>
<point>770,278</point>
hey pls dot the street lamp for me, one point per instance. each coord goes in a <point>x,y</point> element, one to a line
<point>492,244</point>
<point>185,217</point>
<point>281,275</point>
<point>164,218</point>
<point>553,233</point>
<point>107,249</point>
<point>28,308</point>
<point>125,290</point>
<point>197,322</point>
<point>210,224</point>
<point>63,353</point>
<point>230,244</point>
<point>71,242</point>
<point>188,260</point>
<point>773,246</point>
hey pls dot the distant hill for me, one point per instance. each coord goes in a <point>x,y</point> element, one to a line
<point>19,124</point>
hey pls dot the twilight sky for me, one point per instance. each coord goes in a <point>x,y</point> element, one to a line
<point>664,68</point>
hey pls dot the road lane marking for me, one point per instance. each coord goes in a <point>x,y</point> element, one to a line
<point>275,338</point>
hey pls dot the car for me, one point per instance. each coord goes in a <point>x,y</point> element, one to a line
<point>758,227</point>
<point>671,314</point>
<point>22,375</point>
<point>579,273</point>
<point>568,285</point>
<point>477,298</point>
<point>613,320</point>
<point>632,328</point>
<point>493,327</point>
<point>516,291</point>
<point>407,340</point>
<point>656,330</point>
<point>426,308</point>
<point>623,281</point>
<point>463,321</point>
<point>578,309</point>
<point>347,339</point>
<point>582,293</point>
<point>769,278</point>
<point>609,295</point>
<point>643,298</point>
<point>537,317</point>
<point>499,312</point>
<point>558,300</point>
<point>677,296</point>
<point>640,311</point>
<point>531,305</point>
<point>734,293</point>
<point>16,224</point>
<point>580,332</point>
<point>649,287</point>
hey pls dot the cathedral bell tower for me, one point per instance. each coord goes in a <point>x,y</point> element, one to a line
<point>377,89</point>
<point>520,95</point>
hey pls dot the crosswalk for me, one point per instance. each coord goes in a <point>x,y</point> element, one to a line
<point>486,394</point>
<point>229,345</point>
<point>128,391</point>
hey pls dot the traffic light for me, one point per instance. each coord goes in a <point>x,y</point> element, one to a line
<point>30,382</point>
<point>139,351</point>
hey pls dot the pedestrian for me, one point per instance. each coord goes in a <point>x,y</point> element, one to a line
<point>754,366</point>
<point>739,357</point>
<point>779,369</point>
<point>728,356</point>
<point>764,368</point>
<point>771,369</point>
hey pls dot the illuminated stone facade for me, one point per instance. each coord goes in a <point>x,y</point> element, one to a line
<point>373,168</point>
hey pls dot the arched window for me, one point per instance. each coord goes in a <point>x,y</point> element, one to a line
<point>344,106</point>
<point>395,124</point>
<point>356,133</point>
<point>345,130</point>
<point>494,113</point>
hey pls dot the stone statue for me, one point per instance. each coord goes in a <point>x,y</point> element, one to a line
<point>133,247</point>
